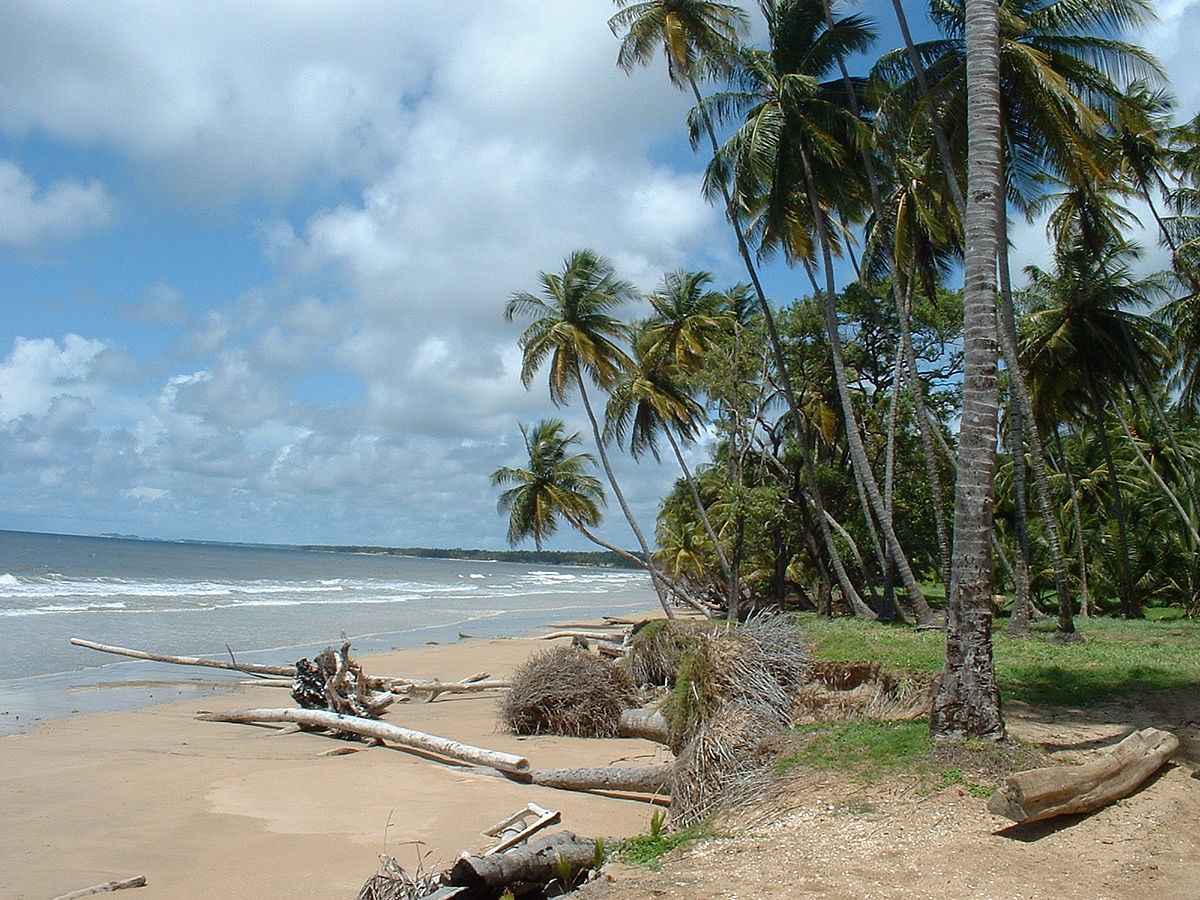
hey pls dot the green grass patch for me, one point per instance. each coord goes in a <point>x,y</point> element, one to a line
<point>649,849</point>
<point>1116,658</point>
<point>868,749</point>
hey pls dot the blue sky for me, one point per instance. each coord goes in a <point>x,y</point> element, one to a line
<point>254,256</point>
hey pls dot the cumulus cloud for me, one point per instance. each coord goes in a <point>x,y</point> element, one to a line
<point>31,217</point>
<point>38,371</point>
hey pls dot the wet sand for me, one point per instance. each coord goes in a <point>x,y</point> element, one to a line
<point>206,809</point>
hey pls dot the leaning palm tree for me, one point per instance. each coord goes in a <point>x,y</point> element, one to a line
<point>573,332</point>
<point>554,484</point>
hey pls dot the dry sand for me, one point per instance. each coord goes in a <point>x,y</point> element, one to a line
<point>210,810</point>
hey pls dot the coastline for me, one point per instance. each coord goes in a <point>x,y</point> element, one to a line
<point>218,810</point>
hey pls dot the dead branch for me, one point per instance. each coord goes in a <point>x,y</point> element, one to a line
<point>137,881</point>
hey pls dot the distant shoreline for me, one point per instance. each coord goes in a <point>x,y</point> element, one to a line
<point>599,559</point>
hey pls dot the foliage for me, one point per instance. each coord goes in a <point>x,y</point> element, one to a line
<point>649,849</point>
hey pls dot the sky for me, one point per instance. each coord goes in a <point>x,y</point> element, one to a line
<point>254,256</point>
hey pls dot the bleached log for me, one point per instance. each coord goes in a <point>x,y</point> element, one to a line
<point>188,660</point>
<point>537,863</point>
<point>384,731</point>
<point>434,689</point>
<point>634,779</point>
<point>586,635</point>
<point>137,881</point>
<point>649,724</point>
<point>1065,790</point>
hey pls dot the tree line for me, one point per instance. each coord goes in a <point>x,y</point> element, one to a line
<point>934,417</point>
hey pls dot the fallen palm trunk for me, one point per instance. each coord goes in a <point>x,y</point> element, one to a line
<point>188,660</point>
<point>138,881</point>
<point>436,688</point>
<point>1064,790</point>
<point>559,856</point>
<point>405,737</point>
<point>634,779</point>
<point>649,724</point>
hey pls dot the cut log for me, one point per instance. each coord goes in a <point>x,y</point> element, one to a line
<point>405,737</point>
<point>188,660</point>
<point>649,724</point>
<point>538,863</point>
<point>635,779</point>
<point>1064,790</point>
<point>137,881</point>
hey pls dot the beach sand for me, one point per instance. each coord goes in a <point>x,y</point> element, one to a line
<point>206,809</point>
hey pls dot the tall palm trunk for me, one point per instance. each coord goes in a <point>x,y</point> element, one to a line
<point>967,701</point>
<point>1158,479</point>
<point>660,586</point>
<point>760,296</point>
<point>1077,517</point>
<point>858,452</point>
<point>1130,607</point>
<point>700,510</point>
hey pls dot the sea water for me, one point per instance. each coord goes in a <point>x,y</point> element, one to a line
<point>252,603</point>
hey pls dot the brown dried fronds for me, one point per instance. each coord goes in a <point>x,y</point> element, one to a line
<point>567,692</point>
<point>862,690</point>
<point>656,648</point>
<point>393,882</point>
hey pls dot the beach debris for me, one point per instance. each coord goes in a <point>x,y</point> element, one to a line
<point>249,668</point>
<point>567,692</point>
<point>654,780</point>
<point>384,731</point>
<point>381,683</point>
<point>136,881</point>
<point>561,860</point>
<point>1115,773</point>
<point>521,826</point>
<point>839,691</point>
<point>648,724</point>
<point>334,681</point>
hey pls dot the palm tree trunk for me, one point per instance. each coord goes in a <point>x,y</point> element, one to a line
<point>655,576</point>
<point>1077,517</point>
<point>1158,479</point>
<point>858,452</point>
<point>700,510</point>
<point>967,701</point>
<point>776,349</point>
<point>1130,607</point>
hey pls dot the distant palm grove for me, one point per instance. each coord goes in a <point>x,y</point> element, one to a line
<point>923,420</point>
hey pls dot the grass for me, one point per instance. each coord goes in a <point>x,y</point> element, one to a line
<point>1117,657</point>
<point>649,849</point>
<point>869,749</point>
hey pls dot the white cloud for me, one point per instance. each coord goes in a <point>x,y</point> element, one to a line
<point>31,218</point>
<point>38,371</point>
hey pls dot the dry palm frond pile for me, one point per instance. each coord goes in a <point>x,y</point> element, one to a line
<point>733,691</point>
<point>837,691</point>
<point>568,692</point>
<point>656,648</point>
<point>393,882</point>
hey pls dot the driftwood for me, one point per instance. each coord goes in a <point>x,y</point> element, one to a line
<point>254,668</point>
<point>538,863</point>
<point>334,681</point>
<point>634,779</point>
<point>405,737</point>
<point>649,724</point>
<point>434,689</point>
<point>521,826</point>
<point>138,881</point>
<point>1064,790</point>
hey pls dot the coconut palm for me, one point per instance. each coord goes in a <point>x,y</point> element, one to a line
<point>554,484</point>
<point>1083,344</point>
<point>573,333</point>
<point>967,701</point>
<point>788,163</point>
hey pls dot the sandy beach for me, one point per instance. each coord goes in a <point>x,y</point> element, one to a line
<point>217,810</point>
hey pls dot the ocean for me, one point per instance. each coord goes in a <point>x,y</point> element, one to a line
<point>260,604</point>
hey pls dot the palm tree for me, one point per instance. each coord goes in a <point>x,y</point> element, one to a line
<point>554,484</point>
<point>573,332</point>
<point>967,701</point>
<point>1083,345</point>
<point>788,162</point>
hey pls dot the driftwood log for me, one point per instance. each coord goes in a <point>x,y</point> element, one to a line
<point>1064,790</point>
<point>254,668</point>
<point>538,863</point>
<point>649,724</point>
<point>394,734</point>
<point>137,881</point>
<point>632,779</point>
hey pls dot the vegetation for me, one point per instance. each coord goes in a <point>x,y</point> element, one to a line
<point>834,422</point>
<point>546,557</point>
